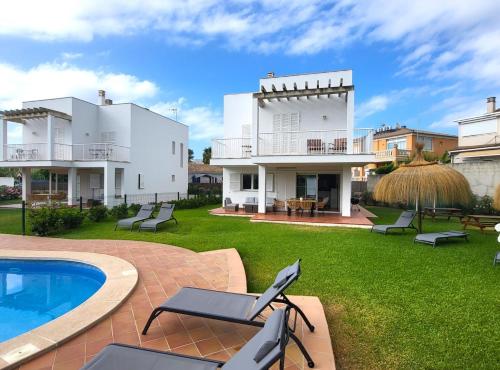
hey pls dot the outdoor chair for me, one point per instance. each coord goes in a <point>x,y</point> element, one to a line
<point>235,307</point>
<point>144,213</point>
<point>405,221</point>
<point>165,214</point>
<point>322,204</point>
<point>434,238</point>
<point>260,352</point>
<point>251,205</point>
<point>270,205</point>
<point>496,259</point>
<point>230,206</point>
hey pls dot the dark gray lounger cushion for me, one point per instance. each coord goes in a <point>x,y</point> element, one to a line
<point>285,274</point>
<point>116,357</point>
<point>270,337</point>
<point>165,214</point>
<point>206,302</point>
<point>143,214</point>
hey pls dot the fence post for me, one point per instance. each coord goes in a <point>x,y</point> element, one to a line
<point>81,204</point>
<point>23,216</point>
<point>178,196</point>
<point>125,199</point>
<point>156,199</point>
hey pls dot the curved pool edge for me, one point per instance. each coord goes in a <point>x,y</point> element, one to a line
<point>121,279</point>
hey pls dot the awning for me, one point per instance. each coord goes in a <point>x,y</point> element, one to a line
<point>19,115</point>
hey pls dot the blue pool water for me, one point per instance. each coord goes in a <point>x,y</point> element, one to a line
<point>34,292</point>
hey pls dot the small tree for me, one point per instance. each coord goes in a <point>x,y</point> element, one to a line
<point>207,155</point>
<point>190,155</point>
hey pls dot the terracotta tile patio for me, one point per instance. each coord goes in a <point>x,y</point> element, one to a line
<point>358,219</point>
<point>162,270</point>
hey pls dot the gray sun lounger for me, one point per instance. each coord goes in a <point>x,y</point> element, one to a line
<point>405,221</point>
<point>259,353</point>
<point>434,238</point>
<point>235,307</point>
<point>165,214</point>
<point>144,213</point>
<point>496,259</point>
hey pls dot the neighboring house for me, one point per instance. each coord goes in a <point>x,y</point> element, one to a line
<point>106,150</point>
<point>293,138</point>
<point>7,181</point>
<point>200,173</point>
<point>479,136</point>
<point>396,144</point>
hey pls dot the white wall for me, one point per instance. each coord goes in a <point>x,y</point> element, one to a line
<point>116,118</point>
<point>237,112</point>
<point>6,181</point>
<point>479,133</point>
<point>151,154</point>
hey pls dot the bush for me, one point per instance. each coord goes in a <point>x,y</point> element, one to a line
<point>387,168</point>
<point>134,208</point>
<point>196,202</point>
<point>119,212</point>
<point>50,220</point>
<point>98,213</point>
<point>10,192</point>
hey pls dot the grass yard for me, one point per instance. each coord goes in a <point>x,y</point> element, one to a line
<point>391,304</point>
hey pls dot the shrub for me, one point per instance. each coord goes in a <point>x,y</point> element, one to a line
<point>387,168</point>
<point>134,208</point>
<point>196,202</point>
<point>9,192</point>
<point>50,220</point>
<point>98,213</point>
<point>119,212</point>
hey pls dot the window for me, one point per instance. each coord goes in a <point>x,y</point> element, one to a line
<point>173,178</point>
<point>140,179</point>
<point>399,141</point>
<point>306,186</point>
<point>181,150</point>
<point>427,141</point>
<point>249,181</point>
<point>173,147</point>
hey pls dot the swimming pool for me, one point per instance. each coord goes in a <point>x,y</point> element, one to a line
<point>34,292</point>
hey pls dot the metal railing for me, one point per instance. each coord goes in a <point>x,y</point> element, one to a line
<point>101,152</point>
<point>315,142</point>
<point>67,152</point>
<point>232,148</point>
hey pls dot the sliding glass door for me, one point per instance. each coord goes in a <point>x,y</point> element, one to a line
<point>307,186</point>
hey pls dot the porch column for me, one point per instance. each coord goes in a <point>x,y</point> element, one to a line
<point>350,121</point>
<point>26,173</point>
<point>346,191</point>
<point>262,189</point>
<point>50,135</point>
<point>255,127</point>
<point>72,186</point>
<point>109,185</point>
<point>3,140</point>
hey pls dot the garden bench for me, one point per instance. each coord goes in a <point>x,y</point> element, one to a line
<point>481,221</point>
<point>444,212</point>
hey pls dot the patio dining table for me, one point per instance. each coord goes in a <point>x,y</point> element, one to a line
<point>298,204</point>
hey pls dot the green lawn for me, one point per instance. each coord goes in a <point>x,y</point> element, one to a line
<point>389,303</point>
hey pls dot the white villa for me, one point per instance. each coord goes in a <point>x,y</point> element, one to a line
<point>294,138</point>
<point>105,149</point>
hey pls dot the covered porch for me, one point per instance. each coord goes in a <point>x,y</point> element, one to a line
<point>67,185</point>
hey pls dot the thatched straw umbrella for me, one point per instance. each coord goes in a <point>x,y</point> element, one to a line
<point>423,182</point>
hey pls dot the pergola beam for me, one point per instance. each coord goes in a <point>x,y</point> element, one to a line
<point>19,115</point>
<point>305,92</point>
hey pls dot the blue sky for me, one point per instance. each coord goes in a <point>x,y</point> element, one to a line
<point>422,63</point>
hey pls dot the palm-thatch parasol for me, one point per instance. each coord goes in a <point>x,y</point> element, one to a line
<point>423,182</point>
<point>496,200</point>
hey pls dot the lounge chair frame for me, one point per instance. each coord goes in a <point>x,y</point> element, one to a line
<point>280,355</point>
<point>383,229</point>
<point>157,221</point>
<point>434,238</point>
<point>136,218</point>
<point>279,297</point>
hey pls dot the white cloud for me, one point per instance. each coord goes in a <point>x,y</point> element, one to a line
<point>52,80</point>
<point>457,108</point>
<point>373,105</point>
<point>205,122</point>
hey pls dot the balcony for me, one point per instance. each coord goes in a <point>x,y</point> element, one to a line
<point>232,148</point>
<point>391,155</point>
<point>66,152</point>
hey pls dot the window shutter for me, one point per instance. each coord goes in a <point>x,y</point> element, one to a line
<point>270,182</point>
<point>276,132</point>
<point>234,182</point>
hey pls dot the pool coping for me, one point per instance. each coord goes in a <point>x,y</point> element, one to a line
<point>121,279</point>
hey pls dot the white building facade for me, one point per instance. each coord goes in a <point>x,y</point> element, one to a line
<point>295,138</point>
<point>106,150</point>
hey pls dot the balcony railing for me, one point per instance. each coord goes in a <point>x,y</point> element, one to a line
<point>316,142</point>
<point>393,154</point>
<point>232,148</point>
<point>66,152</point>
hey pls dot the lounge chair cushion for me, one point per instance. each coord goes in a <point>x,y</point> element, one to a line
<point>121,357</point>
<point>210,302</point>
<point>284,275</point>
<point>270,337</point>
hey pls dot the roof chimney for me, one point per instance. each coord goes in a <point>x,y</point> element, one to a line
<point>491,104</point>
<point>101,100</point>
<point>108,102</point>
<point>270,74</point>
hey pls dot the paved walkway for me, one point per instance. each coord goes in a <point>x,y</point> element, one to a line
<point>163,270</point>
